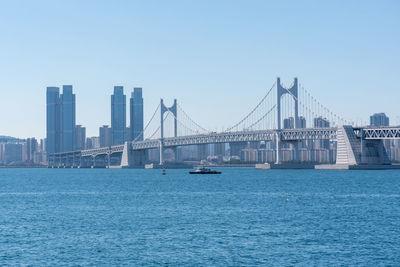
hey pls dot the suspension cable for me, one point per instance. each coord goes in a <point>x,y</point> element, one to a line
<point>147,125</point>
<point>254,109</point>
<point>265,115</point>
<point>183,111</point>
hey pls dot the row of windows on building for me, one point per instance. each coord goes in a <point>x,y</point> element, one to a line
<point>63,134</point>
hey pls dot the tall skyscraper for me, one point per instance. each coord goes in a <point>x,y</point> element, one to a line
<point>60,119</point>
<point>105,136</point>
<point>136,114</point>
<point>53,120</point>
<point>68,123</point>
<point>379,119</point>
<point>118,115</point>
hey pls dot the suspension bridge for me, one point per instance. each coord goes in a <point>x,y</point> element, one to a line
<point>284,115</point>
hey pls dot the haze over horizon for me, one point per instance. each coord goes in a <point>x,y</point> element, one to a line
<point>217,58</point>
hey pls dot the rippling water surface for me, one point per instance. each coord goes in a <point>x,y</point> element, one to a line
<point>102,217</point>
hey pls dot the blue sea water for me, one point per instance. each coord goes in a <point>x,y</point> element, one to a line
<point>243,217</point>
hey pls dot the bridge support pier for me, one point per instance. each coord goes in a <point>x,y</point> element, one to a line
<point>277,148</point>
<point>161,152</point>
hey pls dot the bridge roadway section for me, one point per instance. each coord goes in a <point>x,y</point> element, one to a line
<point>214,138</point>
<point>74,157</point>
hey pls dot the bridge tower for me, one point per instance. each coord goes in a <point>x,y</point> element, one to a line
<point>173,110</point>
<point>294,93</point>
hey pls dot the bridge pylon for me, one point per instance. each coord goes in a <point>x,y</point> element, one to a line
<point>173,110</point>
<point>294,92</point>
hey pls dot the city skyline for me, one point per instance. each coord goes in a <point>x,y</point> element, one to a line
<point>196,54</point>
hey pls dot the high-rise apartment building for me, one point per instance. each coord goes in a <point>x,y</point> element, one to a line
<point>302,122</point>
<point>219,149</point>
<point>80,137</point>
<point>136,114</point>
<point>379,119</point>
<point>92,142</point>
<point>30,148</point>
<point>118,115</point>
<point>288,123</point>
<point>105,136</point>
<point>321,122</point>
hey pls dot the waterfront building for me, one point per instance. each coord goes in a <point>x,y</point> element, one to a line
<point>68,118</point>
<point>287,154</point>
<point>379,119</point>
<point>249,155</point>
<point>186,153</point>
<point>304,155</point>
<point>321,122</point>
<point>92,142</point>
<point>10,152</point>
<point>202,152</point>
<point>266,155</point>
<point>320,155</point>
<point>80,137</point>
<point>302,122</point>
<point>40,155</point>
<point>30,148</point>
<point>53,120</point>
<point>219,149</point>
<point>136,115</point>
<point>288,123</point>
<point>236,148</point>
<point>105,136</point>
<point>118,116</point>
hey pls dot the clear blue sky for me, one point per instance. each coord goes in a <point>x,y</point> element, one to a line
<point>216,57</point>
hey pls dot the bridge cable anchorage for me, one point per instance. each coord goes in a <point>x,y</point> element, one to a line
<point>147,125</point>
<point>195,123</point>
<point>181,123</point>
<point>252,111</point>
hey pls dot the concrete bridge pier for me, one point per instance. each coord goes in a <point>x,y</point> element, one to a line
<point>277,148</point>
<point>100,161</point>
<point>133,158</point>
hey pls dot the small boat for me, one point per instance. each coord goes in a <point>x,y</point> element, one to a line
<point>164,172</point>
<point>204,170</point>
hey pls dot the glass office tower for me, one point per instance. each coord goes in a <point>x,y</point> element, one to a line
<point>136,115</point>
<point>52,120</point>
<point>68,123</point>
<point>118,116</point>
